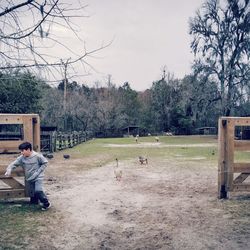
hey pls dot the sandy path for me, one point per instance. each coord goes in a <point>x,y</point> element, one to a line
<point>165,205</point>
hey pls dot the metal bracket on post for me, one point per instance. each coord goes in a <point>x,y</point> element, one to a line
<point>224,123</point>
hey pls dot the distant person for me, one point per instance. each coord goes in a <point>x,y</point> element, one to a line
<point>34,165</point>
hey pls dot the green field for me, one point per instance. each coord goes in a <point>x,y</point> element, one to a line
<point>170,146</point>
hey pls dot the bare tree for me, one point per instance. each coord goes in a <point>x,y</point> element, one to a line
<point>220,32</point>
<point>29,34</point>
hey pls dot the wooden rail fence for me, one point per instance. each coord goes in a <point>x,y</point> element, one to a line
<point>52,142</point>
<point>227,167</point>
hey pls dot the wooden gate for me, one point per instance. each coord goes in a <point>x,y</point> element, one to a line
<point>29,126</point>
<point>13,187</point>
<point>227,167</point>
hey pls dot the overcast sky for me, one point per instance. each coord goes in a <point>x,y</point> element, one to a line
<point>147,35</point>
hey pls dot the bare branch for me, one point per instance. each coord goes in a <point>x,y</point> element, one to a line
<point>9,10</point>
<point>27,37</point>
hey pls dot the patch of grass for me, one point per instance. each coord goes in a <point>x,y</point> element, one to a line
<point>197,139</point>
<point>21,223</point>
<point>172,147</point>
<point>241,156</point>
<point>17,221</point>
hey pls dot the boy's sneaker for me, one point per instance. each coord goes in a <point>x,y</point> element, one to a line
<point>46,206</point>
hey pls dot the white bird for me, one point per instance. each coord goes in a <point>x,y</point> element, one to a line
<point>136,138</point>
<point>117,171</point>
<point>157,139</point>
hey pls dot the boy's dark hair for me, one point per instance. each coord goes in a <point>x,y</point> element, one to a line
<point>25,145</point>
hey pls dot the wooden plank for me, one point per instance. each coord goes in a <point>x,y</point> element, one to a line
<point>222,177</point>
<point>240,178</point>
<point>13,183</point>
<point>242,121</point>
<point>36,133</point>
<point>28,129</point>
<point>242,145</point>
<point>241,167</point>
<point>9,146</point>
<point>229,154</point>
<point>12,193</point>
<point>11,119</point>
<point>241,187</point>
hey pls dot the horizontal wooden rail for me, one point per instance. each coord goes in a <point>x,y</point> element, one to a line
<point>241,187</point>
<point>240,121</point>
<point>10,181</point>
<point>10,146</point>
<point>241,145</point>
<point>12,193</point>
<point>241,167</point>
<point>12,188</point>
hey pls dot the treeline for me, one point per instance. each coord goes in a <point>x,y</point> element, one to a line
<point>218,85</point>
<point>176,105</point>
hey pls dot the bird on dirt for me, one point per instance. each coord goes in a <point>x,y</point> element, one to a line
<point>136,138</point>
<point>157,139</point>
<point>66,156</point>
<point>117,171</point>
<point>143,160</point>
<point>50,156</point>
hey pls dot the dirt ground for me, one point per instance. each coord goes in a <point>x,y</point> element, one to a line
<point>166,204</point>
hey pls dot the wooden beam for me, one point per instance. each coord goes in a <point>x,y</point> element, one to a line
<point>241,145</point>
<point>28,129</point>
<point>9,146</point>
<point>242,121</point>
<point>241,187</point>
<point>36,133</point>
<point>11,119</point>
<point>240,178</point>
<point>241,167</point>
<point>11,182</point>
<point>6,193</point>
<point>222,175</point>
<point>229,154</point>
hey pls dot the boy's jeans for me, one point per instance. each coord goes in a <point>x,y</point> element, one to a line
<point>39,195</point>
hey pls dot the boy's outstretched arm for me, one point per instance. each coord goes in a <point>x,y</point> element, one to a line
<point>12,166</point>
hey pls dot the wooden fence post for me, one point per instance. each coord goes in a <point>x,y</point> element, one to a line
<point>228,143</point>
<point>222,175</point>
<point>226,157</point>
